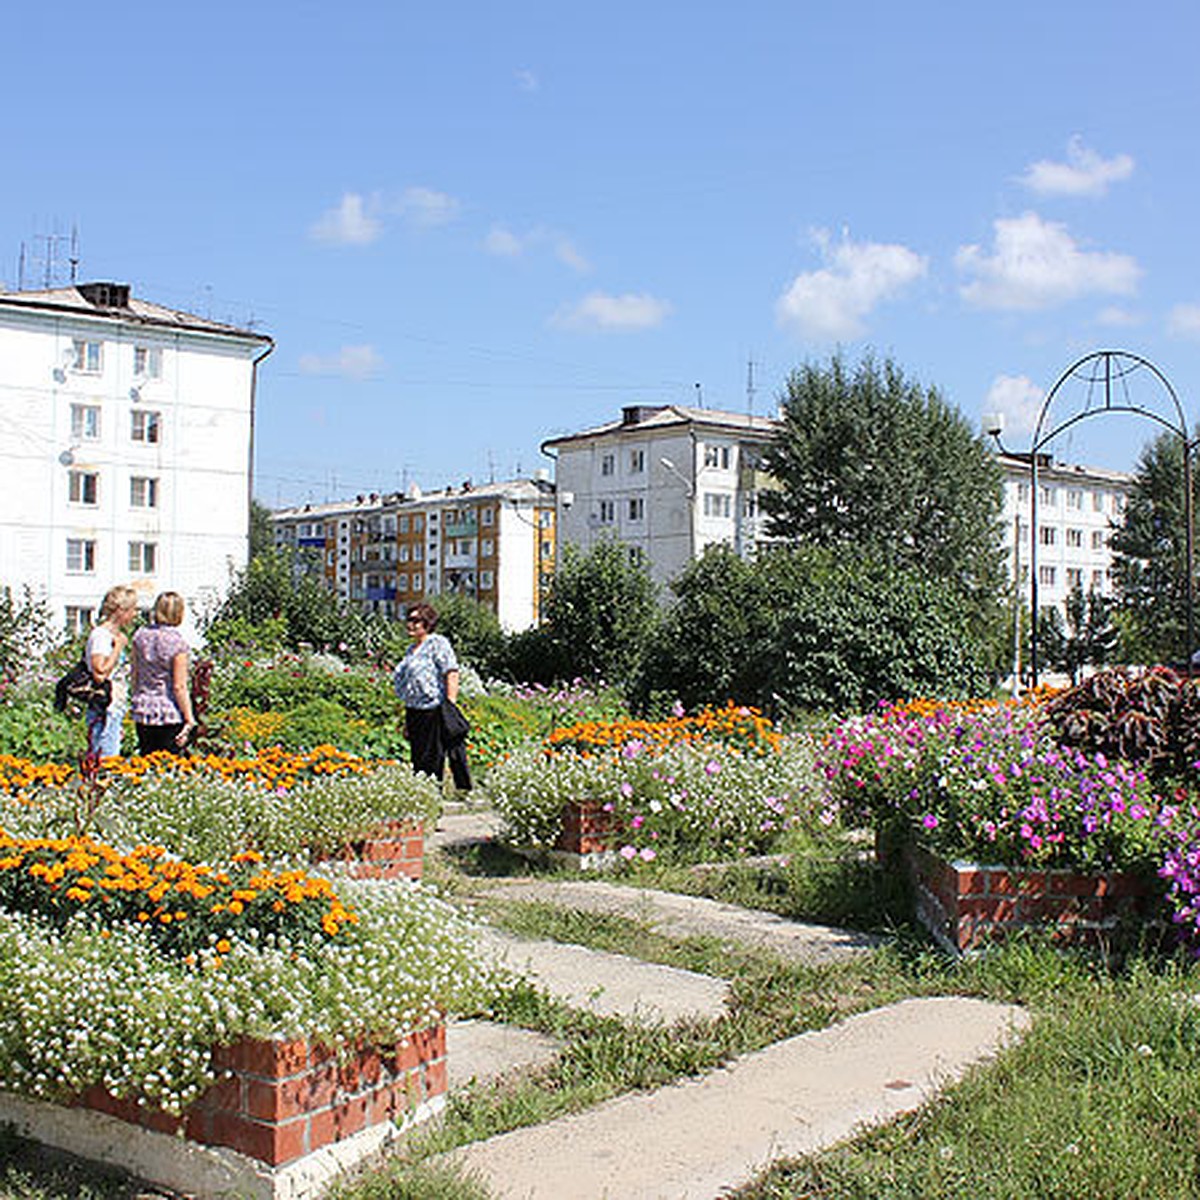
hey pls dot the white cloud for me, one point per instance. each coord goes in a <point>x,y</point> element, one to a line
<point>527,81</point>
<point>1084,173</point>
<point>1117,317</point>
<point>1184,321</point>
<point>613,313</point>
<point>350,362</point>
<point>504,243</point>
<point>1017,399</point>
<point>426,207</point>
<point>351,223</point>
<point>833,302</point>
<point>1037,264</point>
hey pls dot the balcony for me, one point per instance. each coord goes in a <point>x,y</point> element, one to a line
<point>466,527</point>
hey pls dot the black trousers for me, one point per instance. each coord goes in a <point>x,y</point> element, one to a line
<point>428,749</point>
<point>159,737</point>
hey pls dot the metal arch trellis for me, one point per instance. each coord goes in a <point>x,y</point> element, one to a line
<point>1107,375</point>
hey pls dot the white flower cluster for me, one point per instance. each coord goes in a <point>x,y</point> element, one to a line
<point>689,796</point>
<point>206,817</point>
<point>90,1006</point>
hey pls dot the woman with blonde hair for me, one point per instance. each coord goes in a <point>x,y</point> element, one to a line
<point>105,657</point>
<point>162,701</point>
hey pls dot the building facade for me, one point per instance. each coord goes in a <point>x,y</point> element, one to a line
<point>1077,509</point>
<point>665,480</point>
<point>126,436</point>
<point>495,543</point>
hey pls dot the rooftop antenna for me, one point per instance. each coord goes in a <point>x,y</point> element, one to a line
<point>750,387</point>
<point>699,397</point>
<point>45,258</point>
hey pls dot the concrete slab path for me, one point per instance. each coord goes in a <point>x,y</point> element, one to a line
<point>484,1051</point>
<point>609,985</point>
<point>674,915</point>
<point>692,1140</point>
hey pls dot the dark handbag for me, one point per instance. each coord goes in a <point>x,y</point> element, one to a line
<point>80,685</point>
<point>455,726</point>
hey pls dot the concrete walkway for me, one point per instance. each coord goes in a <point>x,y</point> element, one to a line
<point>673,915</point>
<point>692,1140</point>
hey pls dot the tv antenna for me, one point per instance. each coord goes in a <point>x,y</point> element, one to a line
<point>51,259</point>
<point>750,387</point>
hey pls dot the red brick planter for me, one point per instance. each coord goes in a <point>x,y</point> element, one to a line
<point>391,851</point>
<point>282,1100</point>
<point>965,905</point>
<point>586,828</point>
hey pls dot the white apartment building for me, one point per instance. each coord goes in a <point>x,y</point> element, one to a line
<point>1077,509</point>
<point>666,480</point>
<point>494,543</point>
<point>125,447</point>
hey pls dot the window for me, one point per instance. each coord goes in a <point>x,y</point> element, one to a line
<point>1049,496</point>
<point>487,580</point>
<point>717,456</point>
<point>85,422</point>
<point>1047,535</point>
<point>1097,539</point>
<point>1023,492</point>
<point>637,461</point>
<point>404,552</point>
<point>1046,575</point>
<point>1074,498</point>
<point>608,463</point>
<point>88,357</point>
<point>1024,572</point>
<point>145,426</point>
<point>403,525</point>
<point>402,581</point>
<point>1075,537</point>
<point>487,547</point>
<point>143,493</point>
<point>81,555</point>
<point>466,546</point>
<point>1023,531</point>
<point>416,583</point>
<point>79,620</point>
<point>488,516</point>
<point>82,486</point>
<point>1074,577</point>
<point>545,518</point>
<point>142,557</point>
<point>147,362</point>
<point>637,508</point>
<point>1097,580</point>
<point>1097,501</point>
<point>418,551</point>
<point>716,504</point>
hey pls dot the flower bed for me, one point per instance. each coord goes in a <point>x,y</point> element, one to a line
<point>396,848</point>
<point>637,791</point>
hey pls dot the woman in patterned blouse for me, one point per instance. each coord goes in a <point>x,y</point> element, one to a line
<point>427,675</point>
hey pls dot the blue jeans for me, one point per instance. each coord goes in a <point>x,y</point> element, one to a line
<point>104,729</point>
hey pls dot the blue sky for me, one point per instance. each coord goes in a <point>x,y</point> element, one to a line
<point>472,227</point>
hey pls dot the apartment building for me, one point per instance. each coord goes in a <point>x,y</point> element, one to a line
<point>495,543</point>
<point>667,480</point>
<point>1077,509</point>
<point>125,447</point>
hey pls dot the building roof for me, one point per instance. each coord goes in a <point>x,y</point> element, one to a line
<point>115,302</point>
<point>651,418</point>
<point>513,489</point>
<point>1017,466</point>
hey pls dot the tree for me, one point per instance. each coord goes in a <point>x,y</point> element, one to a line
<point>262,531</point>
<point>1150,556</point>
<point>867,458</point>
<point>813,629</point>
<point>600,613</point>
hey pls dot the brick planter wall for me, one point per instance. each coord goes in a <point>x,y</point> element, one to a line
<point>391,851</point>
<point>282,1100</point>
<point>965,905</point>
<point>586,828</point>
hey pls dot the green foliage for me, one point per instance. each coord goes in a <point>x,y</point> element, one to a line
<point>30,728</point>
<point>1086,637</point>
<point>1150,557</point>
<point>26,631</point>
<point>262,530</point>
<point>807,629</point>
<point>870,460</point>
<point>474,630</point>
<point>600,614</point>
<point>276,586</point>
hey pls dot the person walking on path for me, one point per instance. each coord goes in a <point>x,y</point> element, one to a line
<point>162,703</point>
<point>425,678</point>
<point>105,657</point>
